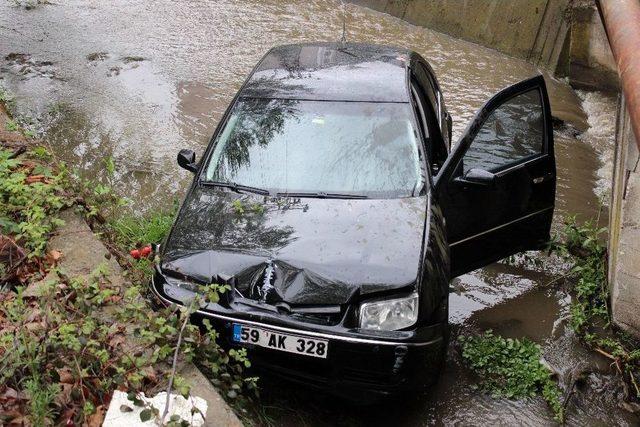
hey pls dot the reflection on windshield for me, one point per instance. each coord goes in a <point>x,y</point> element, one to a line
<point>293,146</point>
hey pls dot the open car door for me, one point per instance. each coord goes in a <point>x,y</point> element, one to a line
<point>497,187</point>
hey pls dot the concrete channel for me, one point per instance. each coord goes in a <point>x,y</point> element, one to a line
<point>149,81</point>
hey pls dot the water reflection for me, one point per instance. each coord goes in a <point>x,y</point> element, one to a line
<point>209,221</point>
<point>319,146</point>
<point>512,132</point>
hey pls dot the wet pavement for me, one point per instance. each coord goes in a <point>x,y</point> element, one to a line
<point>137,81</point>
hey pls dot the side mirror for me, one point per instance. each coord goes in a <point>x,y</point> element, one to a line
<point>477,176</point>
<point>187,160</point>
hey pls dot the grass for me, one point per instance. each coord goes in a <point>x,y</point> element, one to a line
<point>30,196</point>
<point>132,231</point>
<point>511,368</point>
<point>11,126</point>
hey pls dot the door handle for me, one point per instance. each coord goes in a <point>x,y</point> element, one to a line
<point>542,178</point>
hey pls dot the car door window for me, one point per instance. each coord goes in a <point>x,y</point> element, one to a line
<point>512,133</point>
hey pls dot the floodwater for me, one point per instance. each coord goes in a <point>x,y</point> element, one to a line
<point>137,81</point>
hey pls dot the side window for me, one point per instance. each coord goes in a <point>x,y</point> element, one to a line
<point>511,133</point>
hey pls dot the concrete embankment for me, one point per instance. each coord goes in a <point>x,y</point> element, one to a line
<point>624,226</point>
<point>562,36</point>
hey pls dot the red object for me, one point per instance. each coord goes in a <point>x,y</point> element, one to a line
<point>146,251</point>
<point>135,253</point>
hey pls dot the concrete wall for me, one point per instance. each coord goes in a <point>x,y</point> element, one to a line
<point>591,63</point>
<point>530,29</point>
<point>624,229</point>
<point>559,35</point>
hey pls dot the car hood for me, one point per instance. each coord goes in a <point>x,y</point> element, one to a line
<point>320,251</point>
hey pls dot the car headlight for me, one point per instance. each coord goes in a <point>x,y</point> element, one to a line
<point>389,315</point>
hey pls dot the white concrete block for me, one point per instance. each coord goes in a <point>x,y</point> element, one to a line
<point>178,405</point>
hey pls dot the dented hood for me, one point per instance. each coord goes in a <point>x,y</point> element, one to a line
<point>320,251</point>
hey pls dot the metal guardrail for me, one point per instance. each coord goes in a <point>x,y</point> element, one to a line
<point>621,20</point>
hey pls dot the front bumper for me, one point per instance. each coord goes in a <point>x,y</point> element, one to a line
<point>372,364</point>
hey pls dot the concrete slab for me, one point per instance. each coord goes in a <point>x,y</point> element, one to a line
<point>219,414</point>
<point>82,252</point>
<point>116,417</point>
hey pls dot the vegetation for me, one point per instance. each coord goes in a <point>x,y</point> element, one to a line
<point>131,231</point>
<point>583,248</point>
<point>66,343</point>
<point>11,126</point>
<point>590,314</point>
<point>511,368</point>
<point>30,195</point>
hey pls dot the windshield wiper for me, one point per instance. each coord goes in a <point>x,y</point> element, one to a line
<point>322,195</point>
<point>236,187</point>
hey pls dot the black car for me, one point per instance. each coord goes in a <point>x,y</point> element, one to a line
<point>330,201</point>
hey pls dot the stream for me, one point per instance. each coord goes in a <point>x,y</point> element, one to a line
<point>136,81</point>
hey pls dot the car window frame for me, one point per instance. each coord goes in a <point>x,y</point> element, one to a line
<point>422,125</point>
<point>426,81</point>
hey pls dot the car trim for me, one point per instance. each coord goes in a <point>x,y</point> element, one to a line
<point>297,331</point>
<point>518,165</point>
<point>501,226</point>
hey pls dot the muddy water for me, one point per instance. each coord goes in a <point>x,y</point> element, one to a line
<point>137,81</point>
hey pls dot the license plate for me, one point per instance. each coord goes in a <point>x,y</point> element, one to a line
<point>279,341</point>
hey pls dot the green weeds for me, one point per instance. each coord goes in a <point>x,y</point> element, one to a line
<point>511,368</point>
<point>11,126</point>
<point>41,400</point>
<point>7,99</point>
<point>4,96</point>
<point>583,246</point>
<point>132,231</point>
<point>69,343</point>
<point>30,196</point>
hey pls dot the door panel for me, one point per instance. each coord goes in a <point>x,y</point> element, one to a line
<point>497,188</point>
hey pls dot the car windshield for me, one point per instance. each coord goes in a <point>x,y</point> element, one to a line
<point>295,146</point>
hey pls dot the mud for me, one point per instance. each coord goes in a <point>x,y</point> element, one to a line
<point>150,80</point>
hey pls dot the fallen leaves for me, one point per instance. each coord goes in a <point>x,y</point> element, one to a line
<point>10,252</point>
<point>54,256</point>
<point>37,178</point>
<point>65,375</point>
<point>11,407</point>
<point>95,419</point>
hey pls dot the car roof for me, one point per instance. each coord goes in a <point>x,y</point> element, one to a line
<point>331,72</point>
